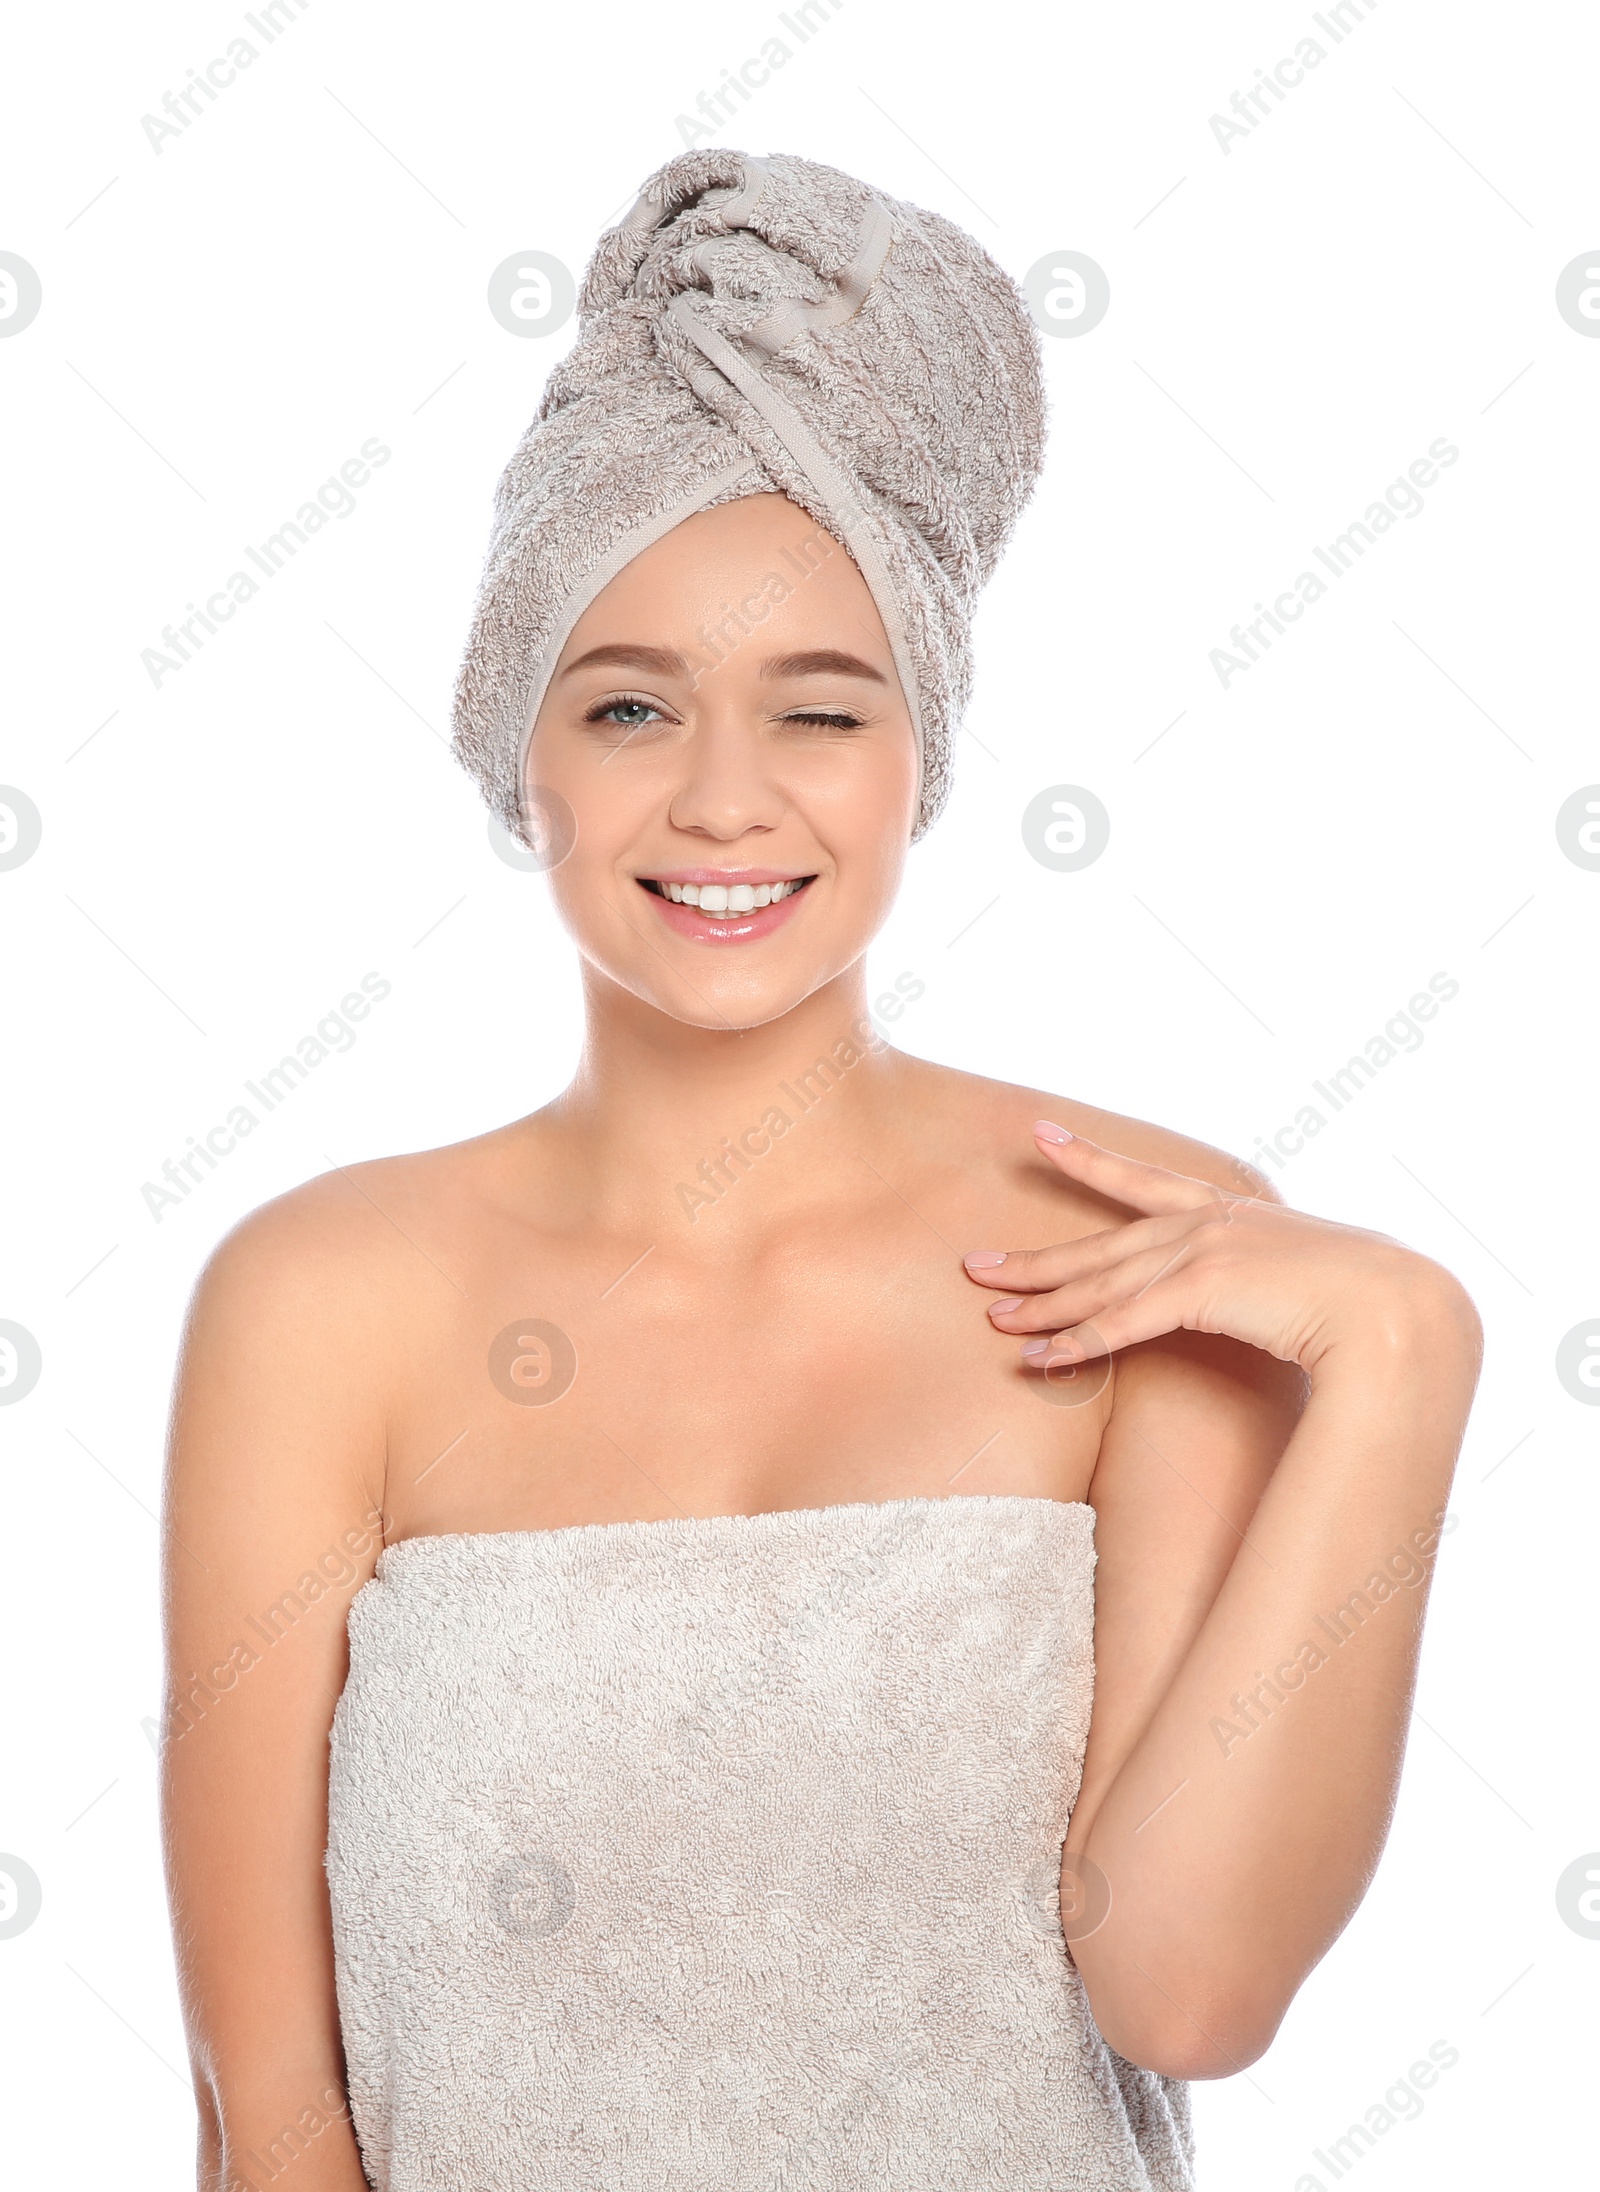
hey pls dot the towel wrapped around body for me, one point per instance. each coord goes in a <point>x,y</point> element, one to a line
<point>723,1855</point>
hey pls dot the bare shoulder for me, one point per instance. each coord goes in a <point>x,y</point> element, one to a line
<point>1191,1371</point>
<point>1000,1115</point>
<point>311,1241</point>
<point>344,1253</point>
<point>1161,1145</point>
<point>308,1334</point>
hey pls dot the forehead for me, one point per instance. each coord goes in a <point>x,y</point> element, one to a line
<point>761,558</point>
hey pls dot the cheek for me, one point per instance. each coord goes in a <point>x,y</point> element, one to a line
<point>898,773</point>
<point>865,807</point>
<point>605,810</point>
<point>552,760</point>
<point>585,887</point>
<point>590,901</point>
<point>874,773</point>
<point>607,805</point>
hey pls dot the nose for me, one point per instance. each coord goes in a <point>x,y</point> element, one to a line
<point>728,783</point>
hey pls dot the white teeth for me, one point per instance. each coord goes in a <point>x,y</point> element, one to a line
<point>724,898</point>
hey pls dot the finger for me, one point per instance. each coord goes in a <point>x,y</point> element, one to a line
<point>1092,1294</point>
<point>1041,1270</point>
<point>1158,1310</point>
<point>1145,1187</point>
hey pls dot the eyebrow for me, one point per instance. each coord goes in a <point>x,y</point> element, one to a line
<point>667,662</point>
<point>821,661</point>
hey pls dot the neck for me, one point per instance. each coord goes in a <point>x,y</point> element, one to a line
<point>722,1135</point>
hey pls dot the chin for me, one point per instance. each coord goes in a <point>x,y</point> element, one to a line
<point>722,987</point>
<point>731,1008</point>
<point>721,998</point>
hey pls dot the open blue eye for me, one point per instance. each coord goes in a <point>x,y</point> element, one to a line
<point>629,712</point>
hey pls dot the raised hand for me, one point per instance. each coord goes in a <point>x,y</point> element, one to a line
<point>1200,1260</point>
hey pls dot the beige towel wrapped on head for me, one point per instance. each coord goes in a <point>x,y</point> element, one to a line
<point>754,325</point>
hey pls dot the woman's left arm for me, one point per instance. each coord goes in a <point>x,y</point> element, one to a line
<point>1239,1817</point>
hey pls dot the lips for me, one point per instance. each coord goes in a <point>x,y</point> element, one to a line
<point>727,919</point>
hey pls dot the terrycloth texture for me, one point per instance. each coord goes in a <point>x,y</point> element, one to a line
<point>723,1856</point>
<point>750,325</point>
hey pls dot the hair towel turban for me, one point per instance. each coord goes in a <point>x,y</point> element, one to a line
<point>751,325</point>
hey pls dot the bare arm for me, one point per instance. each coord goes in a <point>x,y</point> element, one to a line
<point>1245,1753</point>
<point>1196,1428</point>
<point>273,1521</point>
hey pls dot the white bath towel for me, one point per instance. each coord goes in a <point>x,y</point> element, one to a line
<point>722,1856</point>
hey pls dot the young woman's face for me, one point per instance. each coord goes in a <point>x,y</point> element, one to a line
<point>726,724</point>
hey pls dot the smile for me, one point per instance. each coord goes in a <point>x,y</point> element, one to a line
<point>726,912</point>
<point>724,900</point>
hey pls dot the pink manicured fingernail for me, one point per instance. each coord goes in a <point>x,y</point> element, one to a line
<point>1046,1130</point>
<point>1031,1348</point>
<point>1004,1308</point>
<point>984,1259</point>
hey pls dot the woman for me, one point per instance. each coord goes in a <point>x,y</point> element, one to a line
<point>741,1535</point>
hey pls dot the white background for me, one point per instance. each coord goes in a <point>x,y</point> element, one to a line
<point>226,320</point>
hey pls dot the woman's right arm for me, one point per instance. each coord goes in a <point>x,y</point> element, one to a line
<point>274,1519</point>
